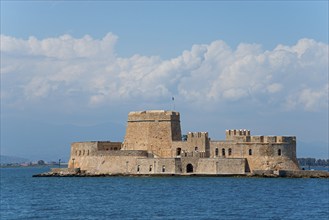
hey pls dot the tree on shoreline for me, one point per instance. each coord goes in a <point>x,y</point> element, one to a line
<point>313,162</point>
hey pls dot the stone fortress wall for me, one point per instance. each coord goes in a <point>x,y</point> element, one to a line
<point>261,152</point>
<point>153,144</point>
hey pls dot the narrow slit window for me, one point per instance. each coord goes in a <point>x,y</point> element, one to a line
<point>279,152</point>
<point>223,152</point>
<point>229,151</point>
<point>216,151</point>
<point>250,151</point>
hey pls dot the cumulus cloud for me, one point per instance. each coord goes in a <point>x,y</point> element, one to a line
<point>287,77</point>
<point>62,47</point>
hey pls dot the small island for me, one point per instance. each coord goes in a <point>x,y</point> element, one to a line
<point>154,146</point>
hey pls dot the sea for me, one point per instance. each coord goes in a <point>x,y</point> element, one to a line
<point>27,197</point>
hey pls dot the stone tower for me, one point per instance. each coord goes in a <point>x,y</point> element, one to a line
<point>153,131</point>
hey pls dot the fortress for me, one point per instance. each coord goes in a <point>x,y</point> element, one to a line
<point>154,145</point>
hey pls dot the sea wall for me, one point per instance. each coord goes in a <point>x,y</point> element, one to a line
<point>221,166</point>
<point>303,173</point>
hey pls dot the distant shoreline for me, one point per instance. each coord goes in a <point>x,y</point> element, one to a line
<point>63,165</point>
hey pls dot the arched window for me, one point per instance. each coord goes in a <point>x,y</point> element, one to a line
<point>229,151</point>
<point>216,151</point>
<point>163,168</point>
<point>250,151</point>
<point>279,152</point>
<point>223,152</point>
<point>138,168</point>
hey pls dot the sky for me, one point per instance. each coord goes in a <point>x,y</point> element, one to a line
<point>72,71</point>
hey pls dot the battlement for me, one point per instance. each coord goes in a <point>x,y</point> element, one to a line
<point>243,135</point>
<point>237,132</point>
<point>197,135</point>
<point>153,116</point>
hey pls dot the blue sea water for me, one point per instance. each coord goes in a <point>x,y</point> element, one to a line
<point>24,197</point>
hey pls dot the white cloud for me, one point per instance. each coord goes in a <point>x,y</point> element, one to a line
<point>63,47</point>
<point>288,77</point>
<point>311,99</point>
<point>273,88</point>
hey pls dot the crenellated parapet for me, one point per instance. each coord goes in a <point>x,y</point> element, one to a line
<point>197,136</point>
<point>243,135</point>
<point>237,132</point>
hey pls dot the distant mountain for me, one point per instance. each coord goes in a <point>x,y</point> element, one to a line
<point>11,159</point>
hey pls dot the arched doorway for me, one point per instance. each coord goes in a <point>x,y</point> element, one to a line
<point>189,168</point>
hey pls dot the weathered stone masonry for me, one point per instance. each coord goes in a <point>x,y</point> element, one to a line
<point>153,144</point>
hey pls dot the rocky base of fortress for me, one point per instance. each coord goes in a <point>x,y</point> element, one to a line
<point>256,173</point>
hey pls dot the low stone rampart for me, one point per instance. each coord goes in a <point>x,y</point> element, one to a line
<point>303,173</point>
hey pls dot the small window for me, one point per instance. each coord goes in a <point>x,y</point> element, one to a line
<point>138,168</point>
<point>79,152</point>
<point>115,148</point>
<point>250,151</point>
<point>88,153</point>
<point>229,151</point>
<point>178,151</point>
<point>150,168</point>
<point>196,148</point>
<point>279,152</point>
<point>216,151</point>
<point>163,168</point>
<point>223,152</point>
